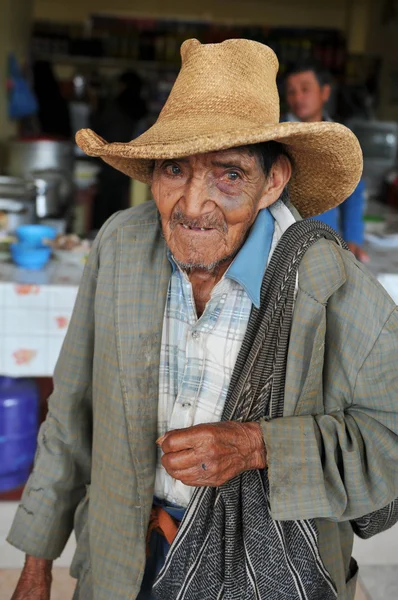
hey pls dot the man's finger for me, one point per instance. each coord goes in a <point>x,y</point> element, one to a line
<point>178,440</point>
<point>195,476</point>
<point>173,461</point>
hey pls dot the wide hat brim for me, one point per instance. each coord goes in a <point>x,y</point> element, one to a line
<point>327,157</point>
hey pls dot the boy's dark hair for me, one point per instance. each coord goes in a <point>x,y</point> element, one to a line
<point>323,76</point>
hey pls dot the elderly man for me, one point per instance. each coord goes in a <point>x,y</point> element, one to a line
<point>254,349</point>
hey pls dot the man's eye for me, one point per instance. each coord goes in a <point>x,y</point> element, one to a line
<point>233,176</point>
<point>173,169</point>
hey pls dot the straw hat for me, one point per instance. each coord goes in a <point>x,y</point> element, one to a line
<point>226,96</point>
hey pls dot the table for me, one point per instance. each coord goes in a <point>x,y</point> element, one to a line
<point>36,306</point>
<point>35,310</point>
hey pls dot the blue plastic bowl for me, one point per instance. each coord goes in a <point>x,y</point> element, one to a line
<point>28,257</point>
<point>33,235</point>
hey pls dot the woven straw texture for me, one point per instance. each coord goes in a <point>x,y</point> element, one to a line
<point>226,96</point>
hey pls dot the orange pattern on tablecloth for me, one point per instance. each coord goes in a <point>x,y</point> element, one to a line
<point>24,356</point>
<point>62,322</point>
<point>25,289</point>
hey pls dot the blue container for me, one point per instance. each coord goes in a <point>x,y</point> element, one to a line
<point>35,235</point>
<point>19,423</point>
<point>28,257</point>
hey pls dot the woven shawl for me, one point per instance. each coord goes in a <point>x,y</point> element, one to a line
<point>228,546</point>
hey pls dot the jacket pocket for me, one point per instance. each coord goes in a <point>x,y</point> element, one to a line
<point>81,559</point>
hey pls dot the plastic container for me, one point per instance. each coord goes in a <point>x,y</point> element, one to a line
<point>28,257</point>
<point>19,423</point>
<point>35,235</point>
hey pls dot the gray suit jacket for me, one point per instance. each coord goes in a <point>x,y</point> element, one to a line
<point>333,456</point>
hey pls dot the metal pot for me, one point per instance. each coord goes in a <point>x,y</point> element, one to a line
<point>27,156</point>
<point>12,215</point>
<point>48,193</point>
<point>17,203</point>
<point>16,187</point>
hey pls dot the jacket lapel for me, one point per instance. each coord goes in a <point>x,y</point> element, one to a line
<point>141,283</point>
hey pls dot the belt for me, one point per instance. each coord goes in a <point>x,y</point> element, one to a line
<point>163,523</point>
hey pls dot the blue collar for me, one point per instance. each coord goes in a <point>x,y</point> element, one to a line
<point>249,265</point>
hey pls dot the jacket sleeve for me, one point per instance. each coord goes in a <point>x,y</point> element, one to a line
<point>44,519</point>
<point>341,465</point>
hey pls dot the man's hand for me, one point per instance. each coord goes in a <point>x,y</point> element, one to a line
<point>35,580</point>
<point>211,454</point>
<point>358,252</point>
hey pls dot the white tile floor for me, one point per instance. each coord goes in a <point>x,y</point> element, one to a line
<point>380,581</point>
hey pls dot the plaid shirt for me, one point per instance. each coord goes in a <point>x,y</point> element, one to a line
<point>198,355</point>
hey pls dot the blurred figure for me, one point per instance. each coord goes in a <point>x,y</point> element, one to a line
<point>308,90</point>
<point>53,114</point>
<point>117,121</point>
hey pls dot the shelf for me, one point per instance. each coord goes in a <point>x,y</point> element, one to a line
<point>106,62</point>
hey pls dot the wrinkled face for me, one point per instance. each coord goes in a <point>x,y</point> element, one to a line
<point>207,203</point>
<point>305,96</point>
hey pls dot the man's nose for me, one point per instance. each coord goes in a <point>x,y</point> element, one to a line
<point>196,199</point>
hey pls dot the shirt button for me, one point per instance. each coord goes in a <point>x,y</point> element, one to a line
<point>195,335</point>
<point>186,405</point>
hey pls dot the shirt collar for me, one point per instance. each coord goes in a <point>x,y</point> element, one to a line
<point>290,117</point>
<point>249,265</point>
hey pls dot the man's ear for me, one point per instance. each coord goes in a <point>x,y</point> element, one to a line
<point>277,180</point>
<point>326,91</point>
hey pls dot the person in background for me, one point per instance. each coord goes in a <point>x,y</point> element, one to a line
<point>117,121</point>
<point>53,116</point>
<point>308,89</point>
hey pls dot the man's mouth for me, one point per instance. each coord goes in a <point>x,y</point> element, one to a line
<point>188,227</point>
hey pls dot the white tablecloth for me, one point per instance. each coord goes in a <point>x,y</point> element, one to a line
<point>35,310</point>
